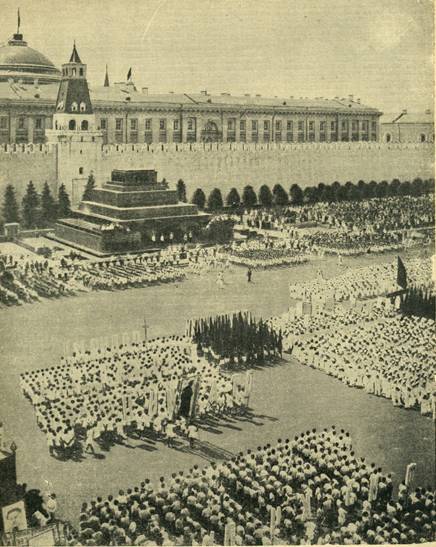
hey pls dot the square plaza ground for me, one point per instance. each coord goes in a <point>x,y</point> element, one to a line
<point>287,398</point>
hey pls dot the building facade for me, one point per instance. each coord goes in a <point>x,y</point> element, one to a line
<point>29,85</point>
<point>408,127</point>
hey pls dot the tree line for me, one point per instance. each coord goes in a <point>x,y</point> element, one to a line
<point>323,193</point>
<point>36,209</point>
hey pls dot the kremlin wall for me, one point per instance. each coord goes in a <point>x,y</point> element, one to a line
<point>220,165</point>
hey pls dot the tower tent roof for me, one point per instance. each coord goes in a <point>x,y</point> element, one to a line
<point>74,55</point>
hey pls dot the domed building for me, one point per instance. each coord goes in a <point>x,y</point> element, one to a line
<point>29,84</point>
<point>21,62</point>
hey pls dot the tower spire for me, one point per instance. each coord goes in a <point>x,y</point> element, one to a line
<point>18,21</point>
<point>106,79</point>
<point>74,55</point>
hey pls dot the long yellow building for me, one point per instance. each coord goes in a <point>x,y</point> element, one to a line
<point>29,85</point>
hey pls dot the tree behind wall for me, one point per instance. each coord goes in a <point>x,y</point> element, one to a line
<point>181,191</point>
<point>249,197</point>
<point>90,185</point>
<point>296,195</point>
<point>64,204</point>
<point>280,196</point>
<point>265,196</point>
<point>233,199</point>
<point>215,200</point>
<point>199,198</point>
<point>10,205</point>
<point>30,206</point>
<point>48,205</point>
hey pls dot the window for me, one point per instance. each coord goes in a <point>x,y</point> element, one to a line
<point>80,170</point>
<point>300,126</point>
<point>364,126</point>
<point>103,124</point>
<point>231,124</point>
<point>242,125</point>
<point>354,126</point>
<point>332,126</point>
<point>148,124</point>
<point>72,125</point>
<point>3,123</point>
<point>81,71</point>
<point>119,124</point>
<point>344,126</point>
<point>134,124</point>
<point>311,126</point>
<point>163,124</point>
<point>84,125</point>
<point>322,126</point>
<point>254,125</point>
<point>82,107</point>
<point>38,123</point>
<point>289,125</point>
<point>191,124</point>
<point>266,125</point>
<point>74,107</point>
<point>176,125</point>
<point>74,71</point>
<point>278,125</point>
<point>373,126</point>
<point>422,137</point>
<point>388,137</point>
<point>289,136</point>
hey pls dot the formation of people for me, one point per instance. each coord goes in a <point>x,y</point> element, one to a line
<point>388,355</point>
<point>365,282</point>
<point>264,253</point>
<point>142,387</point>
<point>306,490</point>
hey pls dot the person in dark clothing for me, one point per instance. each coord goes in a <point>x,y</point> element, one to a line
<point>249,274</point>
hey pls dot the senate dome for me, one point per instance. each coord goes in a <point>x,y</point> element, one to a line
<point>21,62</point>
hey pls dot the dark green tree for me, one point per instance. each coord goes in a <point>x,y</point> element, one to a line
<point>417,187</point>
<point>64,204</point>
<point>10,205</point>
<point>280,196</point>
<point>336,189</point>
<point>90,185</point>
<point>310,194</point>
<point>249,198</point>
<point>233,199</point>
<point>352,193</point>
<point>29,206</point>
<point>296,194</point>
<point>215,200</point>
<point>48,205</point>
<point>199,199</point>
<point>382,189</point>
<point>362,188</point>
<point>372,189</point>
<point>405,188</point>
<point>181,191</point>
<point>265,196</point>
<point>326,193</point>
<point>394,187</point>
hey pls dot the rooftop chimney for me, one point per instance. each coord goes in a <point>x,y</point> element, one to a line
<point>145,90</point>
<point>204,92</point>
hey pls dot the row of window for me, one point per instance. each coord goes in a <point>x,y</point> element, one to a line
<point>231,125</point>
<point>22,123</point>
